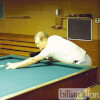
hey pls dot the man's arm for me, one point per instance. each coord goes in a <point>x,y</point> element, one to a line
<point>24,63</point>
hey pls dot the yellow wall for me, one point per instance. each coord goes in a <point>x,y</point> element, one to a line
<point>42,17</point>
<point>99,46</point>
<point>99,33</point>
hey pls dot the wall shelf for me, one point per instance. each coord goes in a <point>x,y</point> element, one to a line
<point>59,20</point>
<point>75,17</point>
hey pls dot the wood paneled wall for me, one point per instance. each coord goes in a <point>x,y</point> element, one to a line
<point>42,18</point>
<point>99,44</point>
<point>99,56</point>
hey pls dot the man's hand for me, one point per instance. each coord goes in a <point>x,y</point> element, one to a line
<point>11,66</point>
<point>24,63</point>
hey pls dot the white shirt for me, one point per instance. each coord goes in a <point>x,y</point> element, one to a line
<point>62,49</point>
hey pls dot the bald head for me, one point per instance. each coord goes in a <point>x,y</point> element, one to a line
<point>40,36</point>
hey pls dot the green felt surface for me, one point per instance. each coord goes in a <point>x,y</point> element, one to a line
<point>12,81</point>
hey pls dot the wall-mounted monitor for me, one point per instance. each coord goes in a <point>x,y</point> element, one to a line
<point>79,29</point>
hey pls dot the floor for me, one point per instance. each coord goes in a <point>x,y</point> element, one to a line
<point>95,92</point>
<point>92,92</point>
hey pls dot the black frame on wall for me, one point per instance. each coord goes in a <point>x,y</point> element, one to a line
<point>79,29</point>
<point>2,9</point>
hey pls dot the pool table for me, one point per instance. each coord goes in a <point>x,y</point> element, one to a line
<point>42,80</point>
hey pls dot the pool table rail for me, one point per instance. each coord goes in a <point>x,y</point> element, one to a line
<point>55,81</point>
